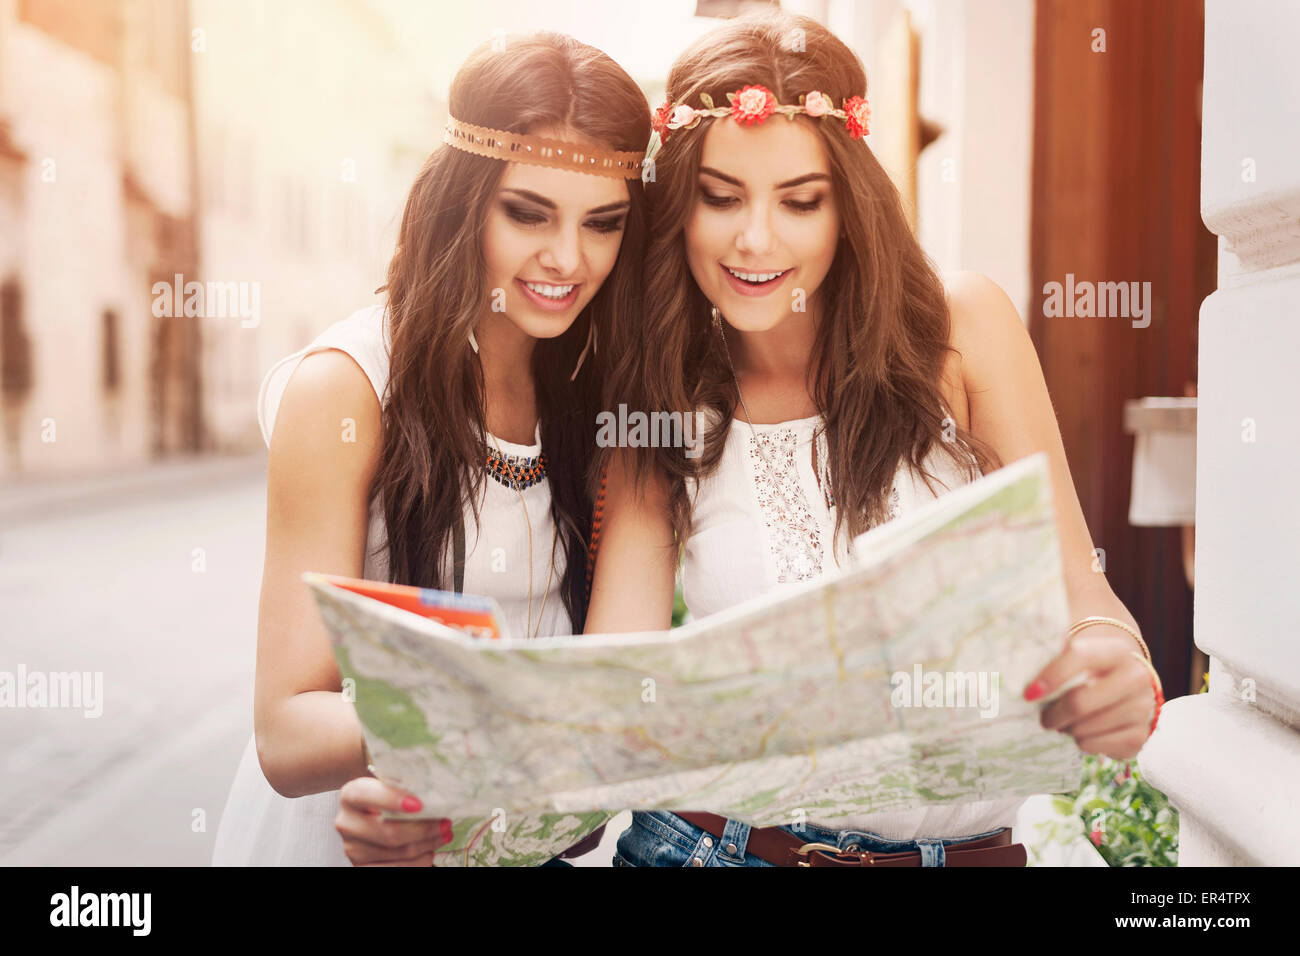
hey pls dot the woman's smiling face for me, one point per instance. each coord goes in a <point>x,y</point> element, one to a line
<point>765,225</point>
<point>550,240</point>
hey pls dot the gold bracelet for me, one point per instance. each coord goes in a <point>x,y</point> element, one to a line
<point>1098,619</point>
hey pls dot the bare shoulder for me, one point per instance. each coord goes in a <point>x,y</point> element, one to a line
<point>979,307</point>
<point>329,416</point>
<point>986,329</point>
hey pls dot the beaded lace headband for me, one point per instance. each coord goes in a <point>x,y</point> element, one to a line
<point>754,104</point>
<point>536,151</point>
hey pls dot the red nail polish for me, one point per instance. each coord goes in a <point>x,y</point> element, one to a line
<point>411,804</point>
<point>1035,690</point>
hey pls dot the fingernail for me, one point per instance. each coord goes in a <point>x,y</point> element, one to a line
<point>411,804</point>
<point>1035,690</point>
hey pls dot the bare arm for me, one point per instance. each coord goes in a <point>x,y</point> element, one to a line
<point>1011,410</point>
<point>632,588</point>
<point>308,738</point>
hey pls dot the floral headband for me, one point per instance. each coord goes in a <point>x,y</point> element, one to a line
<point>754,104</point>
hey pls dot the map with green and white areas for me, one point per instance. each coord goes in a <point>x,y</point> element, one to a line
<point>890,685</point>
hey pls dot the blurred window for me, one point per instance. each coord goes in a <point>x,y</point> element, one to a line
<point>112,363</point>
<point>15,346</point>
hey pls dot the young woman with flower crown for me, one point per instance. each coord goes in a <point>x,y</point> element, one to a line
<point>787,298</point>
<point>471,395</point>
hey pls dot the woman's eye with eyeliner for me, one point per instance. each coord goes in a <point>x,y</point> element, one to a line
<point>606,225</point>
<point>523,216</point>
<point>718,202</point>
<point>811,205</point>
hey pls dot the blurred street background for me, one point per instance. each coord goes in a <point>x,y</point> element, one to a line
<point>152,577</point>
<point>145,783</point>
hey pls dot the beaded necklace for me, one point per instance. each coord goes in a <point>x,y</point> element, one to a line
<point>518,472</point>
<point>515,471</point>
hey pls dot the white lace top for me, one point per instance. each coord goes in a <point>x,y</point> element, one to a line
<point>761,521</point>
<point>259,827</point>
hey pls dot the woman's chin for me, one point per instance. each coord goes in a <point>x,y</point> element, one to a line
<point>543,326</point>
<point>749,317</point>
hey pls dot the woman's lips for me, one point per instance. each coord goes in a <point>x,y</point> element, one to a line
<point>549,303</point>
<point>753,288</point>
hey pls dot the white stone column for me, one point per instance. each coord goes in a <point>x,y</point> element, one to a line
<point>1229,760</point>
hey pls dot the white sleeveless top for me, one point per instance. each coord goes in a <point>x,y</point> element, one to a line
<point>259,827</point>
<point>761,521</point>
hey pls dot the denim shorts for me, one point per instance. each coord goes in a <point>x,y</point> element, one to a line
<point>660,838</point>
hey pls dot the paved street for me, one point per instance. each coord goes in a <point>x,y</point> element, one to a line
<point>102,575</point>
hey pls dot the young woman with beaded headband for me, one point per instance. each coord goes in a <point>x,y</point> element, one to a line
<point>521,240</point>
<point>787,298</point>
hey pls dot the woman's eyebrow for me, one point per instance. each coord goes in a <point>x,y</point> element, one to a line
<point>710,171</point>
<point>609,207</point>
<point>800,180</point>
<point>788,184</point>
<point>535,197</point>
<point>543,201</point>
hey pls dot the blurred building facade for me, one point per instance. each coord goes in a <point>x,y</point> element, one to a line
<point>96,198</point>
<point>222,150</point>
<point>951,86</point>
<point>312,124</point>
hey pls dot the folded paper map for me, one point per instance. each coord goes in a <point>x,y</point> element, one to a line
<point>888,685</point>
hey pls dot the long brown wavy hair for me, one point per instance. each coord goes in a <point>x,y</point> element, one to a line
<point>883,335</point>
<point>432,459</point>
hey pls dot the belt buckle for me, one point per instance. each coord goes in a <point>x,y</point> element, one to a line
<point>859,859</point>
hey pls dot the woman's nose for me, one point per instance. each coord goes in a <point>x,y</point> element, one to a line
<point>756,237</point>
<point>562,254</point>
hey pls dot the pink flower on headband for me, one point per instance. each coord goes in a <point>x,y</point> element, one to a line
<point>751,104</point>
<point>682,115</point>
<point>858,121</point>
<point>816,104</point>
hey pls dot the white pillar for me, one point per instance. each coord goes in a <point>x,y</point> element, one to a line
<point>1229,760</point>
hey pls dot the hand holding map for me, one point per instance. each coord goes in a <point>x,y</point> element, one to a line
<point>885,686</point>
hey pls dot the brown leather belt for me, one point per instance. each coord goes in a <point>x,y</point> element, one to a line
<point>783,849</point>
<point>585,845</point>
